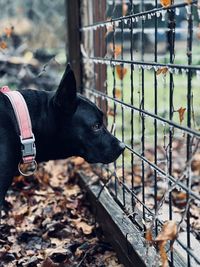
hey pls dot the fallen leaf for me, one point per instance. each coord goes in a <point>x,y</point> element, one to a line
<point>118,93</point>
<point>19,214</point>
<point>73,190</point>
<point>78,161</point>
<point>72,204</point>
<point>110,112</point>
<point>81,225</point>
<point>163,254</point>
<point>121,71</point>
<point>49,263</point>
<point>179,198</point>
<point>159,71</point>
<point>181,112</point>
<point>188,1</point>
<point>148,236</point>
<point>116,49</point>
<point>3,45</point>
<point>195,163</point>
<point>163,70</point>
<point>137,180</point>
<point>166,3</point>
<point>168,232</point>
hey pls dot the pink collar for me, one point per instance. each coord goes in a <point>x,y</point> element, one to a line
<point>24,122</point>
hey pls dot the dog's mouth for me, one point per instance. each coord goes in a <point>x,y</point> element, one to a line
<point>106,159</point>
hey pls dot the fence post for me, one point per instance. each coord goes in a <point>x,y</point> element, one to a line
<point>73,38</point>
<point>99,14</point>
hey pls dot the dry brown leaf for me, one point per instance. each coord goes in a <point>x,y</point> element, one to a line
<point>19,179</point>
<point>19,214</point>
<point>163,70</point>
<point>57,243</point>
<point>110,112</point>
<point>163,254</point>
<point>188,1</point>
<point>16,249</point>
<point>49,263</point>
<point>73,190</point>
<point>81,225</point>
<point>181,112</point>
<point>59,249</point>
<point>86,228</point>
<point>121,72</point>
<point>168,232</point>
<point>165,3</point>
<point>116,49</point>
<point>159,71</point>
<point>118,93</point>
<point>195,164</point>
<point>137,179</point>
<point>78,161</point>
<point>148,236</point>
<point>3,45</point>
<point>179,198</point>
<point>72,204</point>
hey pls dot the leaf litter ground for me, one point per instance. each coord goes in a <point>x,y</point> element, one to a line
<point>46,222</point>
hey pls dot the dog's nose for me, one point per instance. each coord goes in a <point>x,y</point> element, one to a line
<point>122,146</point>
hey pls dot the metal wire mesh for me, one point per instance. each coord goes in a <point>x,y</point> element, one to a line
<point>142,68</point>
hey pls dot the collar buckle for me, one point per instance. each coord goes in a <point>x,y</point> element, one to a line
<point>28,147</point>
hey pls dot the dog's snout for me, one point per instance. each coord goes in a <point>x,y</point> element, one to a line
<point>122,146</point>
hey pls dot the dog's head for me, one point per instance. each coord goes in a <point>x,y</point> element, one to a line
<point>81,129</point>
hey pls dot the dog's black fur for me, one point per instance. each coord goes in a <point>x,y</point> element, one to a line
<point>64,124</point>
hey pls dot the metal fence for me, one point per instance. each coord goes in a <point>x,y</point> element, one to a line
<point>141,66</point>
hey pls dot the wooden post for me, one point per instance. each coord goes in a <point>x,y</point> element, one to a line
<point>73,40</point>
<point>99,14</point>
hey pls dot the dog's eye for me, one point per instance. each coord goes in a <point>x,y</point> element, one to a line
<point>96,127</point>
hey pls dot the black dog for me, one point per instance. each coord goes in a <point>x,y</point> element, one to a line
<point>64,124</point>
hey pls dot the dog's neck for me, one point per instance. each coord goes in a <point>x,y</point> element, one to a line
<point>46,131</point>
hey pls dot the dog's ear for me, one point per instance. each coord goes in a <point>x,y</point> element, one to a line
<point>65,98</point>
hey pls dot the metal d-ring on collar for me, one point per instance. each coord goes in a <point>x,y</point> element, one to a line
<point>27,138</point>
<point>27,171</point>
<point>28,156</point>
